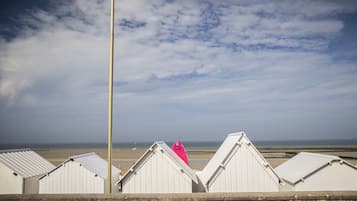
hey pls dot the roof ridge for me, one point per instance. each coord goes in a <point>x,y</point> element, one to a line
<point>15,150</point>
<point>237,133</point>
<point>82,155</point>
<point>320,155</point>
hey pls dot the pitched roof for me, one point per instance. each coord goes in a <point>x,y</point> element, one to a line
<point>224,152</point>
<point>167,150</point>
<point>92,162</point>
<point>303,165</point>
<point>25,162</point>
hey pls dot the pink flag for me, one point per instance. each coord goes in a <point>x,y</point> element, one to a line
<point>179,149</point>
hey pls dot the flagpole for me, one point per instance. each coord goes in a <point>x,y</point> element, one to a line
<point>110,98</point>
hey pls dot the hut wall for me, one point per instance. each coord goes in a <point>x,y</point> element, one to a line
<point>9,182</point>
<point>244,173</point>
<point>71,177</point>
<point>333,177</point>
<point>157,174</point>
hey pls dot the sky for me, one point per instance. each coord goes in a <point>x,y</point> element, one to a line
<point>193,70</point>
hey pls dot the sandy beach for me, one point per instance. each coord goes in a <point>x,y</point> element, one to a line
<point>125,157</point>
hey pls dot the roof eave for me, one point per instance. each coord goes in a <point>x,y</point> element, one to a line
<point>58,166</point>
<point>230,152</point>
<point>149,151</point>
<point>131,169</point>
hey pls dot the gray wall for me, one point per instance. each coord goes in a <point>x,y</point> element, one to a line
<point>336,195</point>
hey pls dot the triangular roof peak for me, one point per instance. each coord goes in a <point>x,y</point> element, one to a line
<point>225,151</point>
<point>317,155</point>
<point>169,153</point>
<point>82,155</point>
<point>241,133</point>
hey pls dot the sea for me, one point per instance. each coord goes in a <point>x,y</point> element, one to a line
<point>193,144</point>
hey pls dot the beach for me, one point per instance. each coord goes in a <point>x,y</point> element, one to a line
<point>124,158</point>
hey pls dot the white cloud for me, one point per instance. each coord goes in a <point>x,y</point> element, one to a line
<point>76,42</point>
<point>180,52</point>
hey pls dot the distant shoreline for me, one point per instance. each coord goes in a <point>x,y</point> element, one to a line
<point>288,144</point>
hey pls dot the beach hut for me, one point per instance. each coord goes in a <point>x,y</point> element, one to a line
<point>158,170</point>
<point>20,170</point>
<point>86,173</point>
<point>237,166</point>
<point>317,172</point>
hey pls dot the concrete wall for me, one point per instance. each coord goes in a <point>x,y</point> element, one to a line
<point>286,187</point>
<point>9,182</point>
<point>157,174</point>
<point>71,178</point>
<point>337,176</point>
<point>190,197</point>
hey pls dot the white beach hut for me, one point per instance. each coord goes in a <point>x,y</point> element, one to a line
<point>20,170</point>
<point>237,166</point>
<point>159,170</point>
<point>86,173</point>
<point>317,172</point>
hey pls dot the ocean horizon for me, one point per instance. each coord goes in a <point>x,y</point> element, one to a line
<point>192,144</point>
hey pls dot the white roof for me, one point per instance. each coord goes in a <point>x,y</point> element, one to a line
<point>303,165</point>
<point>92,162</point>
<point>25,162</point>
<point>225,151</point>
<point>167,150</point>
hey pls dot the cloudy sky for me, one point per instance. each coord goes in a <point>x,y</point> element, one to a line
<point>188,70</point>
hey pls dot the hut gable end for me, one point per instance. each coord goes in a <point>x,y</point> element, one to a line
<point>312,171</point>
<point>158,170</point>
<point>237,166</point>
<point>85,173</point>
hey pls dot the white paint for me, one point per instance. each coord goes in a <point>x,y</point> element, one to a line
<point>302,165</point>
<point>18,166</point>
<point>237,166</point>
<point>159,170</point>
<point>95,163</point>
<point>9,183</point>
<point>25,162</point>
<point>71,178</point>
<point>79,174</point>
<point>331,175</point>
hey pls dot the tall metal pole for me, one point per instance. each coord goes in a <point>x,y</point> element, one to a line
<point>110,98</point>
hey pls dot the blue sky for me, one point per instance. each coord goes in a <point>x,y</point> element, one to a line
<point>188,70</point>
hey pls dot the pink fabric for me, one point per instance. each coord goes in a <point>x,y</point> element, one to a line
<point>179,149</point>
